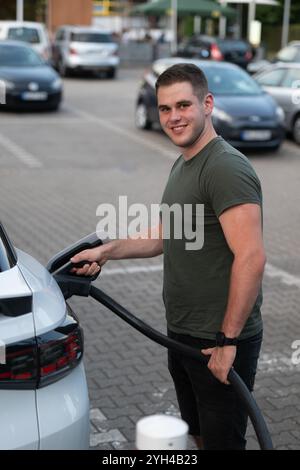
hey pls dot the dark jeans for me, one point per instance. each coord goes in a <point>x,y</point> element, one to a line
<point>212,409</point>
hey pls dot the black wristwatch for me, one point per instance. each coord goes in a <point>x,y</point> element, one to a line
<point>222,340</point>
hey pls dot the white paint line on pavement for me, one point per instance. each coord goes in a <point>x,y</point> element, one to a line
<point>133,270</point>
<point>284,276</point>
<point>25,157</point>
<point>276,362</point>
<point>270,271</point>
<point>159,149</point>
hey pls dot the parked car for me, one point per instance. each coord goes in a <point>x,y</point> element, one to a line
<point>243,114</point>
<point>282,81</point>
<point>289,54</point>
<point>32,33</point>
<point>85,49</point>
<point>203,47</point>
<point>28,81</point>
<point>44,400</point>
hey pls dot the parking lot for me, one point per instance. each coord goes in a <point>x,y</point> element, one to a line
<point>56,168</point>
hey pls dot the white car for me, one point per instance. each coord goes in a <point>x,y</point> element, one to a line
<point>85,49</point>
<point>44,400</point>
<point>30,32</point>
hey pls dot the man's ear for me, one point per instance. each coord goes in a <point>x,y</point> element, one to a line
<point>208,104</point>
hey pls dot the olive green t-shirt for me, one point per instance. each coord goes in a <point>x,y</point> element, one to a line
<point>196,282</point>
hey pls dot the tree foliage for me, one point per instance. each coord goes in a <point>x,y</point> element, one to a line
<point>274,15</point>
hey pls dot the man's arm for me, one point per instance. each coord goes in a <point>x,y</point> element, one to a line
<point>243,232</point>
<point>146,246</point>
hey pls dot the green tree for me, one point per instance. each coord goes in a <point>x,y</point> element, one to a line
<point>274,15</point>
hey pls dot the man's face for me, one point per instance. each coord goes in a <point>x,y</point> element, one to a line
<point>182,116</point>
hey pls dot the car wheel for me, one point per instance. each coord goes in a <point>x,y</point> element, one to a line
<point>296,130</point>
<point>141,117</point>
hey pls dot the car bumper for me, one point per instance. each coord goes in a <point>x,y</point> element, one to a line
<point>53,417</point>
<point>234,134</point>
<point>106,63</point>
<point>63,412</point>
<point>15,100</point>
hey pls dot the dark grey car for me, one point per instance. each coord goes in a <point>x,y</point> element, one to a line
<point>282,81</point>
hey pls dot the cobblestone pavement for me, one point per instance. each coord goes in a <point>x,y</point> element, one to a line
<point>56,168</point>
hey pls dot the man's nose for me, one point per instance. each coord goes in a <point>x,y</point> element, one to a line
<point>175,115</point>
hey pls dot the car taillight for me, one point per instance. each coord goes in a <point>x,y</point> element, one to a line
<point>215,52</point>
<point>43,360</point>
<point>73,51</point>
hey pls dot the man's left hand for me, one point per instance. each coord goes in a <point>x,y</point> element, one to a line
<point>221,361</point>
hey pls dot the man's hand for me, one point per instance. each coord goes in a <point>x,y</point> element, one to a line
<point>96,259</point>
<point>221,361</point>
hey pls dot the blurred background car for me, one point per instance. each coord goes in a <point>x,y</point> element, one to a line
<point>44,401</point>
<point>288,54</point>
<point>282,81</point>
<point>32,33</point>
<point>244,114</point>
<point>203,47</point>
<point>85,49</point>
<point>28,81</point>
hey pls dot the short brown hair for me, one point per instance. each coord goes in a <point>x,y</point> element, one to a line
<point>183,72</point>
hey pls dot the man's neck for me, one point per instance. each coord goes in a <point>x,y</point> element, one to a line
<point>207,135</point>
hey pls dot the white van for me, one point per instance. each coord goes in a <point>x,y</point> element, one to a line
<point>33,33</point>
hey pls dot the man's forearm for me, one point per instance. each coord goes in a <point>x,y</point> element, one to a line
<point>245,282</point>
<point>133,248</point>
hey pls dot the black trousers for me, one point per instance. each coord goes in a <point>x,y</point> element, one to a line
<point>212,409</point>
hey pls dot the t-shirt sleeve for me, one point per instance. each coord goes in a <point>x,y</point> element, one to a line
<point>232,181</point>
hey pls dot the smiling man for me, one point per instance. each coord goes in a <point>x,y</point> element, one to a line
<point>212,295</point>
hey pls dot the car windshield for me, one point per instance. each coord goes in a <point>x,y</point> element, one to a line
<point>30,35</point>
<point>227,81</point>
<point>91,37</point>
<point>18,56</point>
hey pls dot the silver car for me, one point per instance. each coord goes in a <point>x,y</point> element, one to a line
<point>85,49</point>
<point>282,81</point>
<point>44,400</point>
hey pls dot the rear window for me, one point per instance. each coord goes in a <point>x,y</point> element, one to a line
<point>30,35</point>
<point>91,37</point>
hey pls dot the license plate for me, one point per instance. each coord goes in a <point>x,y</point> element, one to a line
<point>256,135</point>
<point>34,96</point>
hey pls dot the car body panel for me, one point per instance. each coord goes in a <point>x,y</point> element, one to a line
<point>19,424</point>
<point>49,307</point>
<point>63,413</point>
<point>287,97</point>
<point>12,285</point>
<point>49,415</point>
